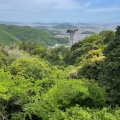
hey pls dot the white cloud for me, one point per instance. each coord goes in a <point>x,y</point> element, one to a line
<point>67,5</point>
<point>43,5</point>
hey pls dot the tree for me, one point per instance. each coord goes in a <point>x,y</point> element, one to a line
<point>110,76</point>
<point>33,68</point>
<point>107,35</point>
<point>3,58</point>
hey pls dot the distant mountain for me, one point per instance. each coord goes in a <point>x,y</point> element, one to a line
<point>10,23</point>
<point>17,34</point>
<point>64,26</point>
<point>87,32</point>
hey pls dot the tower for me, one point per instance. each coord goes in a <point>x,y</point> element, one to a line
<point>72,33</point>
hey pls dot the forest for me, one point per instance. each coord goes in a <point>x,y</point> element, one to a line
<point>14,34</point>
<point>64,26</point>
<point>62,83</point>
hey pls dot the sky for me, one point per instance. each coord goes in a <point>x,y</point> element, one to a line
<point>50,11</point>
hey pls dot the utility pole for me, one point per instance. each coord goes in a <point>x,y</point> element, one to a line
<point>72,33</point>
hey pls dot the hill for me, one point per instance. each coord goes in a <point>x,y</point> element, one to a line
<point>7,38</point>
<point>64,26</point>
<point>29,34</point>
<point>87,32</point>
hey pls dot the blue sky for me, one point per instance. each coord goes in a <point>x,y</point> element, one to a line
<point>73,11</point>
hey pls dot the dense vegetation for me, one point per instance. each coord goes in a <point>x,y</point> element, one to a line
<point>13,34</point>
<point>64,26</point>
<point>87,32</point>
<point>80,83</point>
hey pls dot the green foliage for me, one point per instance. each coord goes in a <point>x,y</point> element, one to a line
<point>33,49</point>
<point>27,46</point>
<point>7,39</point>
<point>92,38</point>
<point>69,93</point>
<point>37,83</point>
<point>79,113</point>
<point>16,34</point>
<point>16,92</point>
<point>107,35</point>
<point>30,68</point>
<point>58,55</point>
<point>86,42</point>
<point>5,81</point>
<point>81,48</point>
<point>63,95</point>
<point>3,58</point>
<point>64,26</point>
<point>90,67</point>
<point>12,95</point>
<point>13,53</point>
<point>110,76</point>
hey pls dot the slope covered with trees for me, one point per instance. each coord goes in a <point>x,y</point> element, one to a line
<point>16,34</point>
<point>7,39</point>
<point>64,26</point>
<point>80,83</point>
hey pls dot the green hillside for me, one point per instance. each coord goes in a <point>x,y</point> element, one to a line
<point>7,38</point>
<point>87,32</point>
<point>29,34</point>
<point>64,26</point>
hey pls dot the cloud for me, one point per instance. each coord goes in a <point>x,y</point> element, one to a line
<point>40,4</point>
<point>66,5</point>
<point>56,10</point>
<point>43,5</point>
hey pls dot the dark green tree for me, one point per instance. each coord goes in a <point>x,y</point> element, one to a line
<point>110,77</point>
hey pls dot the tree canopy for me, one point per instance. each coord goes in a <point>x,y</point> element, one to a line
<point>77,83</point>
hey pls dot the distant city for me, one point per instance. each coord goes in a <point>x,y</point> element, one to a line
<point>82,27</point>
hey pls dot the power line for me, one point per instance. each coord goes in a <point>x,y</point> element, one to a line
<point>111,19</point>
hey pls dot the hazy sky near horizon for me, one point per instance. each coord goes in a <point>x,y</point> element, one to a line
<point>73,11</point>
